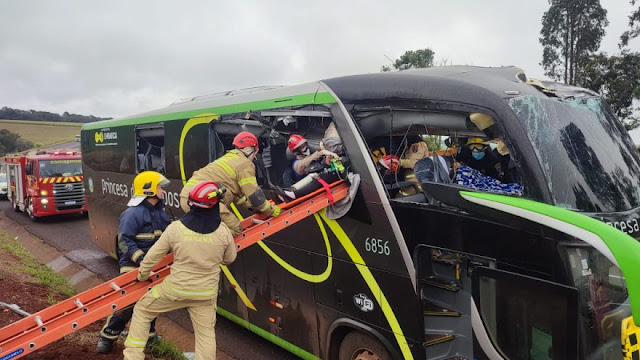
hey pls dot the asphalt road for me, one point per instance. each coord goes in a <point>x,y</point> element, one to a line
<point>70,235</point>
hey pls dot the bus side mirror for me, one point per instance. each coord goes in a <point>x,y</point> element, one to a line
<point>28,169</point>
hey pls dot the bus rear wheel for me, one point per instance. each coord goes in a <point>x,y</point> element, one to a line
<point>359,346</point>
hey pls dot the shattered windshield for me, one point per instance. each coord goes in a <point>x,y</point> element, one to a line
<point>587,156</point>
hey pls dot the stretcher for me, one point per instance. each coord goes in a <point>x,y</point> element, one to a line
<point>46,326</point>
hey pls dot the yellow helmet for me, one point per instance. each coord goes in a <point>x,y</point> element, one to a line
<point>146,184</point>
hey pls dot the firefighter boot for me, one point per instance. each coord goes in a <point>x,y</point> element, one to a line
<point>105,346</point>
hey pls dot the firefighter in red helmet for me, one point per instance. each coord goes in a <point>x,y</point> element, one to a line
<point>298,146</point>
<point>237,173</point>
<point>200,242</point>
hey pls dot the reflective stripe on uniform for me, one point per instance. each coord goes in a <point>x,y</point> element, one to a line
<point>195,293</point>
<point>157,232</point>
<point>133,342</point>
<point>155,292</point>
<point>248,180</point>
<point>145,236</point>
<point>137,255</point>
<point>223,164</point>
<point>126,269</point>
<point>193,182</point>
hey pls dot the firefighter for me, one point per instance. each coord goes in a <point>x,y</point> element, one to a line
<point>200,242</point>
<point>236,172</point>
<point>298,146</point>
<point>141,224</point>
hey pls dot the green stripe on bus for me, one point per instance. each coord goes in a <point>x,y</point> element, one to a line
<point>296,100</point>
<point>624,248</point>
<point>267,335</point>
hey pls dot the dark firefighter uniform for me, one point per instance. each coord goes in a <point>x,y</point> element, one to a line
<point>140,227</point>
<point>238,175</point>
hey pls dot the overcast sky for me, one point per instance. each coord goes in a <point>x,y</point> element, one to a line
<point>116,58</point>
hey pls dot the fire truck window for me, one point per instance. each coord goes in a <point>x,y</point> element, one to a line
<point>150,150</point>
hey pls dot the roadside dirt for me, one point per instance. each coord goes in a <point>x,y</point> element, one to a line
<point>22,289</point>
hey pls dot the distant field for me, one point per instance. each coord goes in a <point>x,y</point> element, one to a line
<point>42,133</point>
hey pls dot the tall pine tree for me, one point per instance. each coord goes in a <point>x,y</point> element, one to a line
<point>571,31</point>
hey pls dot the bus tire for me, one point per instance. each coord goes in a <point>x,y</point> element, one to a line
<point>29,209</point>
<point>359,346</point>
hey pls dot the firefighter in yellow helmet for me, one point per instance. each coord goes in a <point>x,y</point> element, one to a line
<point>200,242</point>
<point>236,172</point>
<point>141,224</point>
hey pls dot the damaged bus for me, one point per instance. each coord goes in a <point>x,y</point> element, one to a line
<point>419,267</point>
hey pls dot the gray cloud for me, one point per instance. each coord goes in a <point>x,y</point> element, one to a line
<point>121,57</point>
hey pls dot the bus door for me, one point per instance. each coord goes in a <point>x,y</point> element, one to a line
<point>445,290</point>
<point>521,317</point>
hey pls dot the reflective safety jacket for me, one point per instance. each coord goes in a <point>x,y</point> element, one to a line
<point>413,154</point>
<point>236,173</point>
<point>195,271</point>
<point>140,226</point>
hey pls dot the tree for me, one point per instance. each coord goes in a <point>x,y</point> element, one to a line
<point>11,142</point>
<point>571,31</point>
<point>618,79</point>
<point>634,26</point>
<point>413,59</point>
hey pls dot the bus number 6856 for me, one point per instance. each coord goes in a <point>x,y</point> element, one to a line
<point>377,246</point>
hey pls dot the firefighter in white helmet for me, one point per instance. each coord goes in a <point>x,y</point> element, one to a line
<point>200,242</point>
<point>236,172</point>
<point>141,224</point>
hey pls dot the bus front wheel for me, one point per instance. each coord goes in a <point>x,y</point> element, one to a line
<point>359,346</point>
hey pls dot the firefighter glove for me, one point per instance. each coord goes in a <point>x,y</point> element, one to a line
<point>276,210</point>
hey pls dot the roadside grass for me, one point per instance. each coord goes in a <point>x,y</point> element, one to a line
<point>42,133</point>
<point>166,350</point>
<point>42,273</point>
<point>31,122</point>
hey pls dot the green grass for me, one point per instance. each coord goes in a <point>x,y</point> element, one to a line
<point>42,133</point>
<point>166,350</point>
<point>42,273</point>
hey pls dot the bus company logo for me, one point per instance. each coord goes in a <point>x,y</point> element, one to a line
<point>101,136</point>
<point>363,302</point>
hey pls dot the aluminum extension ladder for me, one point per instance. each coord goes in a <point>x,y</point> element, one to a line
<point>46,326</point>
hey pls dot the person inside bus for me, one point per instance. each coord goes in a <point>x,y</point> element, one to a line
<point>141,225</point>
<point>200,242</point>
<point>312,171</point>
<point>479,155</point>
<point>236,172</point>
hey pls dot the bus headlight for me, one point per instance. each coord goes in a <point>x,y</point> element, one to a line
<point>44,201</point>
<point>44,193</point>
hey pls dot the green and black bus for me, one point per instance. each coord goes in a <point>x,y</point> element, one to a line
<point>440,272</point>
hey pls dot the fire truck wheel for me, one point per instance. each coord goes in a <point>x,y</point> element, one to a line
<point>30,210</point>
<point>359,346</point>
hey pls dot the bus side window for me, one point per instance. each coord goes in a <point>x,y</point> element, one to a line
<point>150,150</point>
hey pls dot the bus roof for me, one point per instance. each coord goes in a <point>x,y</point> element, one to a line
<point>472,84</point>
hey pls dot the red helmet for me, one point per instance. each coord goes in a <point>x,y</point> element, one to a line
<point>295,141</point>
<point>245,139</point>
<point>205,195</point>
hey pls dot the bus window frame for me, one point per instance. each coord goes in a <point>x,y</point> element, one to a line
<point>151,126</point>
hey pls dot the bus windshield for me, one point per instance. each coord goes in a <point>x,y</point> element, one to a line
<point>50,168</point>
<point>587,156</point>
<point>604,301</point>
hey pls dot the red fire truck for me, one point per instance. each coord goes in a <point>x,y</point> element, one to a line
<point>43,183</point>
